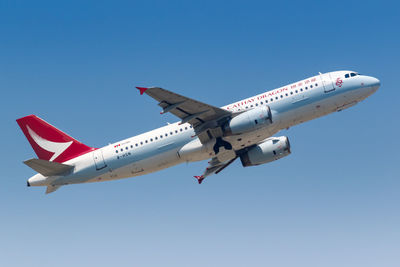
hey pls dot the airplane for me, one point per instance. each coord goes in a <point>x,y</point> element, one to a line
<point>244,129</point>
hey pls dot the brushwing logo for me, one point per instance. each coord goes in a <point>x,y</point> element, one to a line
<point>339,82</point>
<point>54,147</point>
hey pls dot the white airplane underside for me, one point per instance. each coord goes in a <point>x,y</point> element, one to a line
<point>241,130</point>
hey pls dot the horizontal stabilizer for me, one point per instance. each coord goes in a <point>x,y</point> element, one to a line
<point>52,188</point>
<point>48,168</point>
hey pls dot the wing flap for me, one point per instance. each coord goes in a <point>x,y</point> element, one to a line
<point>48,168</point>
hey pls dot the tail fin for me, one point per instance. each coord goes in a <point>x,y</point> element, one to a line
<point>49,142</point>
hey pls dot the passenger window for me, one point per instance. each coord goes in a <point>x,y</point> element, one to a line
<point>310,86</point>
<point>170,133</point>
<point>141,143</point>
<point>261,103</point>
<point>176,131</point>
<point>156,138</point>
<point>281,96</point>
<point>296,91</point>
<point>190,126</point>
<point>122,150</point>
<point>276,97</point>
<point>146,141</point>
<point>316,84</point>
<point>291,93</point>
<point>151,139</point>
<point>286,94</point>
<point>301,89</point>
<point>136,144</point>
<point>131,146</point>
<point>306,88</point>
<point>185,128</point>
<point>181,129</point>
<point>116,151</point>
<point>126,148</point>
<point>256,104</point>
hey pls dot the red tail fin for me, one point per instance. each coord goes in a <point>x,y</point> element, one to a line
<point>49,142</point>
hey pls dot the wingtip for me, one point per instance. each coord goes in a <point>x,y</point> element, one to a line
<point>142,90</point>
<point>199,178</point>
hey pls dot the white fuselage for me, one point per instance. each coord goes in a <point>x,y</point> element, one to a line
<point>158,149</point>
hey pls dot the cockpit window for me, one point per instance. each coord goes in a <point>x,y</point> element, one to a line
<point>348,75</point>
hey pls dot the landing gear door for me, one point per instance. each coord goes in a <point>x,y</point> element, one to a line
<point>99,159</point>
<point>327,82</point>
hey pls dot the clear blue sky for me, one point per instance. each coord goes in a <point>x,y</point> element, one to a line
<point>333,202</point>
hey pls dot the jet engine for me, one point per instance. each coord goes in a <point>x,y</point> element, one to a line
<point>273,148</point>
<point>248,121</point>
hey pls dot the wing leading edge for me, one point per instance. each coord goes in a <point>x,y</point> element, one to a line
<point>205,119</point>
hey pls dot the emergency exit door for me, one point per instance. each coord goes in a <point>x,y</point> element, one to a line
<point>99,159</point>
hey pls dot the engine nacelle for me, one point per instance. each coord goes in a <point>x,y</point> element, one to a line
<point>272,149</point>
<point>248,121</point>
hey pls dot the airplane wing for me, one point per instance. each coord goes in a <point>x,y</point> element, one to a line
<point>217,164</point>
<point>205,119</point>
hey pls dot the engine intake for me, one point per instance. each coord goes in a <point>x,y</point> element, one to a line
<point>272,149</point>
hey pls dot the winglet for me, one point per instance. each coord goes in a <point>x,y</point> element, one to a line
<point>142,89</point>
<point>199,178</point>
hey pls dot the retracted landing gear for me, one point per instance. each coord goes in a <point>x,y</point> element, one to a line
<point>221,143</point>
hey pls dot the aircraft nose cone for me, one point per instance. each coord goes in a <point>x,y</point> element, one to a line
<point>376,83</point>
<point>371,84</point>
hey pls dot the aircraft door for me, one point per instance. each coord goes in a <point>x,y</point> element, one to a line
<point>327,82</point>
<point>99,159</point>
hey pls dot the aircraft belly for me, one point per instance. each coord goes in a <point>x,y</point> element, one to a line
<point>151,164</point>
<point>310,111</point>
<point>157,162</point>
